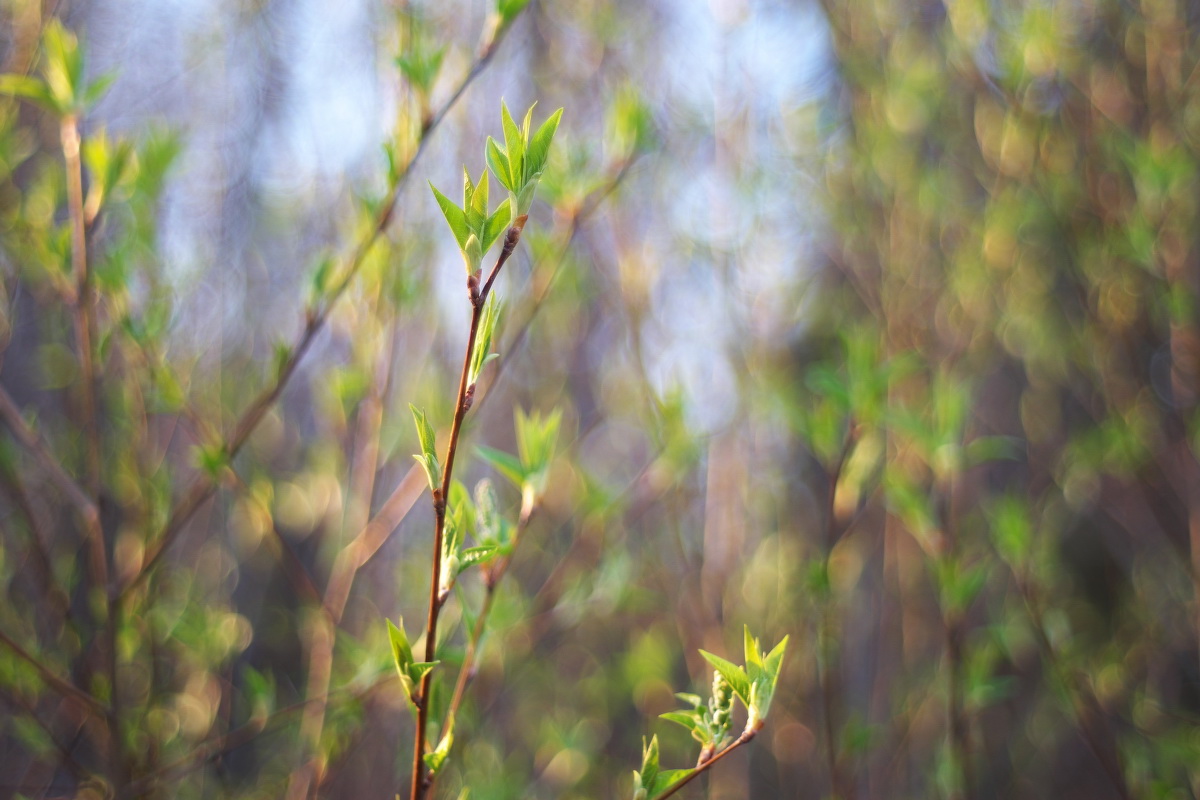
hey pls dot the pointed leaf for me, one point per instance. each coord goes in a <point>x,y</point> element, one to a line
<point>506,464</point>
<point>401,650</point>
<point>668,778</point>
<point>732,673</point>
<point>774,660</point>
<point>424,431</point>
<point>687,719</point>
<point>29,88</point>
<point>479,198</point>
<point>477,555</point>
<point>418,670</point>
<point>433,470</point>
<point>456,218</point>
<point>498,163</point>
<point>468,188</point>
<point>497,224</point>
<point>97,88</point>
<point>539,146</point>
<point>649,761</point>
<point>514,145</point>
<point>437,759</point>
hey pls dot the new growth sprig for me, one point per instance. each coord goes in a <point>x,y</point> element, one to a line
<point>518,166</point>
<point>753,684</point>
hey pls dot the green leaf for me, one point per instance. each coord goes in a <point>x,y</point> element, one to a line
<point>539,146</point>
<point>477,555</point>
<point>424,431</point>
<point>97,88</point>
<point>419,669</point>
<point>498,163</point>
<point>456,218</point>
<point>668,778</point>
<point>688,719</point>
<point>437,759</point>
<point>477,204</point>
<point>402,655</point>
<point>732,673</point>
<point>433,471</point>
<point>483,340</point>
<point>497,224</point>
<point>773,662</point>
<point>506,464</point>
<point>514,145</point>
<point>29,88</point>
<point>649,762</point>
<point>62,65</point>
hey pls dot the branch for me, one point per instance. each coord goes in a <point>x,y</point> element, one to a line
<point>461,405</point>
<point>746,736</point>
<point>203,486</point>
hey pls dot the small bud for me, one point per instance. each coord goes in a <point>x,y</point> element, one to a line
<point>468,398</point>
<point>473,254</point>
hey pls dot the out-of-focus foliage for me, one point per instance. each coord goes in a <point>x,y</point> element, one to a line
<point>872,325</point>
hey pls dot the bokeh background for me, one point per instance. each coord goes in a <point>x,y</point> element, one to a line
<point>872,323</point>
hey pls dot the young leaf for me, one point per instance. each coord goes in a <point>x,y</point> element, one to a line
<point>29,88</point>
<point>456,218</point>
<point>498,163</point>
<point>506,464</point>
<point>402,656</point>
<point>437,759</point>
<point>428,457</point>
<point>483,340</point>
<point>514,144</point>
<point>424,431</point>
<point>732,673</point>
<point>649,762</point>
<point>539,146</point>
<point>688,719</point>
<point>496,224</point>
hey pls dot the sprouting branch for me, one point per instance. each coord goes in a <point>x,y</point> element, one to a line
<point>204,486</point>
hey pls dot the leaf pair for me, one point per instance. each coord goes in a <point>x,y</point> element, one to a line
<point>428,457</point>
<point>411,672</point>
<point>463,517</point>
<point>754,683</point>
<point>537,437</point>
<point>518,165</point>
<point>473,228</point>
<point>651,781</point>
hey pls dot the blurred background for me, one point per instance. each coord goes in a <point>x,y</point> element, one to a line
<point>873,324</point>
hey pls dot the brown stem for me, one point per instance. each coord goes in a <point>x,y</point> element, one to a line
<point>461,406</point>
<point>746,736</point>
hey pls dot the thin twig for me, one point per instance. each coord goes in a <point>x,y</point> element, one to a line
<point>478,298</point>
<point>746,736</point>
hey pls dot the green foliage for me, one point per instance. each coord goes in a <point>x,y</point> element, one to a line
<point>61,88</point>
<point>473,228</point>
<point>519,163</point>
<point>427,458</point>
